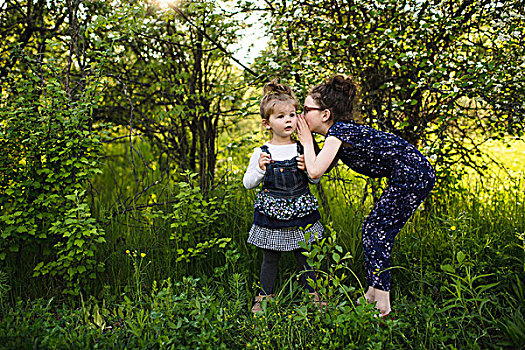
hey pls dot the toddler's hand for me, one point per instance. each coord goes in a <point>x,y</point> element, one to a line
<point>300,162</point>
<point>264,160</point>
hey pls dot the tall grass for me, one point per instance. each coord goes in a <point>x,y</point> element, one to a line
<point>458,270</point>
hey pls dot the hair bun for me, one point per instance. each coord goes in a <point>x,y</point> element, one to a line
<point>337,94</point>
<point>341,84</point>
<point>275,92</point>
<point>274,87</point>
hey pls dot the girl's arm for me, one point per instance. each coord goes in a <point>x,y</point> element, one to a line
<point>316,165</point>
<point>254,174</point>
<point>334,161</point>
<point>313,181</point>
<point>301,166</point>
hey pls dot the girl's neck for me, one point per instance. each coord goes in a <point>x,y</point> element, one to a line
<point>281,141</point>
<point>324,127</point>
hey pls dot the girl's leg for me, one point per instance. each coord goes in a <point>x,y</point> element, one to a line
<point>387,218</point>
<point>308,274</point>
<point>303,266</point>
<point>379,230</point>
<point>269,268</point>
<point>381,226</point>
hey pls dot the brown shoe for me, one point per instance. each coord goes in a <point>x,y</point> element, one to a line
<point>316,300</point>
<point>258,299</point>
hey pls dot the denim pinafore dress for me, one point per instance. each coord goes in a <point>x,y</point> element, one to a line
<point>284,207</point>
<point>283,178</point>
<point>285,199</point>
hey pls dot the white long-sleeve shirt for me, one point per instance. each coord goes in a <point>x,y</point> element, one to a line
<point>254,175</point>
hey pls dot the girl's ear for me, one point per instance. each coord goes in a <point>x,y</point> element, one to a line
<point>326,115</point>
<point>266,124</point>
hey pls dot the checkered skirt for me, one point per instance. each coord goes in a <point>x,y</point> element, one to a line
<point>283,239</point>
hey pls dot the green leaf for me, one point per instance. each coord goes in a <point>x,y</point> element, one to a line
<point>448,268</point>
<point>460,256</point>
<point>70,221</point>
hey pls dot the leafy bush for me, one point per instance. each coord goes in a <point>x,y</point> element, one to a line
<point>187,314</point>
<point>48,155</point>
<point>192,217</point>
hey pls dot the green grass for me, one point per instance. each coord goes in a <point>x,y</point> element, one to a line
<point>458,272</point>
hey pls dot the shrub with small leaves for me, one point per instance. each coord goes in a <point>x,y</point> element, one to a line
<point>49,153</point>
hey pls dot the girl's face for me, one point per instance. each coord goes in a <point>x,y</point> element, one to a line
<point>313,114</point>
<point>282,122</point>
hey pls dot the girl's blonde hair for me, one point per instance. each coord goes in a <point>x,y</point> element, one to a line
<point>274,93</point>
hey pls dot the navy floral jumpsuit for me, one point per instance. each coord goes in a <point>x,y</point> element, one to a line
<point>410,177</point>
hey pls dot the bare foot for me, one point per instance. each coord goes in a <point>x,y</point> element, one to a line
<point>382,299</point>
<point>370,295</point>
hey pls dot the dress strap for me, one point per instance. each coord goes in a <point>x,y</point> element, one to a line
<point>300,148</point>
<point>265,149</point>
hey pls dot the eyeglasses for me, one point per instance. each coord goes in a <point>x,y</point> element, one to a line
<point>307,109</point>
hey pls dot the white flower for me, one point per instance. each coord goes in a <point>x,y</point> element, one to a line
<point>274,65</point>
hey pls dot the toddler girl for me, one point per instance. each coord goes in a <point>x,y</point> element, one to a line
<point>285,204</point>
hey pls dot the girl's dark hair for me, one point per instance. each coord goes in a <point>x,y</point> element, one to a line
<point>274,93</point>
<point>338,94</point>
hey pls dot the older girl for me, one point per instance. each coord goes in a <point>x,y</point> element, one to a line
<point>328,111</point>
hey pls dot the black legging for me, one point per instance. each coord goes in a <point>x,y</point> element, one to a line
<point>270,265</point>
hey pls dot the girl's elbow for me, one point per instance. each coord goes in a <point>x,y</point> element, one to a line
<point>315,175</point>
<point>249,185</point>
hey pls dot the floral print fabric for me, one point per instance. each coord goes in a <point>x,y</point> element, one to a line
<point>285,208</point>
<point>410,179</point>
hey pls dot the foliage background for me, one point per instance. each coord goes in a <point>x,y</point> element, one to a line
<point>126,127</point>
